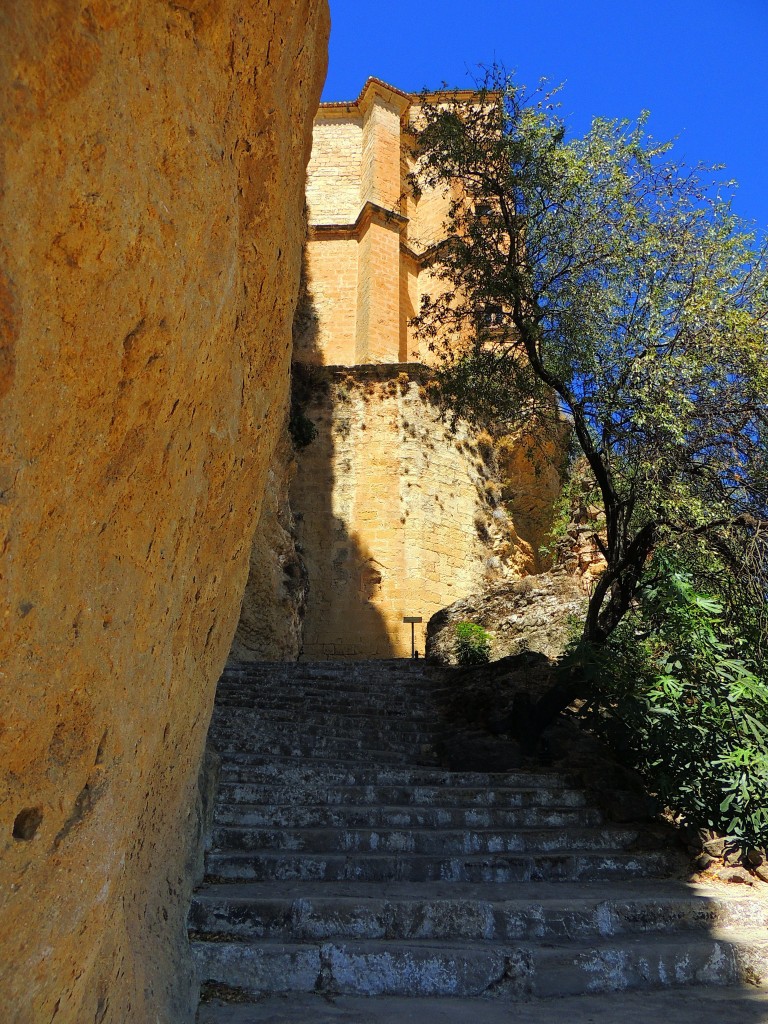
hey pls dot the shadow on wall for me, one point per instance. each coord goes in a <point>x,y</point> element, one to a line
<point>342,620</point>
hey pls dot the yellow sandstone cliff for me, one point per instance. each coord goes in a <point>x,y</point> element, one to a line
<point>151,195</point>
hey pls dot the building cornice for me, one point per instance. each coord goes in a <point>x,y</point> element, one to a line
<point>373,87</point>
<point>422,256</point>
<point>370,211</point>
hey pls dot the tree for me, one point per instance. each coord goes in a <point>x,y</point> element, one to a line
<point>602,278</point>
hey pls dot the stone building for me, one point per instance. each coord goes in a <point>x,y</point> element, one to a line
<point>369,239</point>
<point>400,511</point>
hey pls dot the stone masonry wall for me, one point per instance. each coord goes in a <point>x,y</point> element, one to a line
<point>333,175</point>
<point>368,232</point>
<point>333,280</point>
<point>151,203</point>
<point>397,513</point>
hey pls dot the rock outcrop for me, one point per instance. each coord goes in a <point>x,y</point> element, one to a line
<point>534,613</point>
<point>151,209</point>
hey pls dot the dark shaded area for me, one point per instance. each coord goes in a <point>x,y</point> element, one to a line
<point>487,727</point>
<point>343,575</point>
<point>27,823</point>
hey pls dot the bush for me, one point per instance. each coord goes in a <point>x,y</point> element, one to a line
<point>473,644</point>
<point>301,428</point>
<point>485,446</point>
<point>677,691</point>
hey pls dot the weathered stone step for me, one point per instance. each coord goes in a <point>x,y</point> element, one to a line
<point>329,750</point>
<point>321,721</point>
<point>390,738</point>
<point>330,665</point>
<point>501,971</point>
<point>403,668</point>
<point>363,707</point>
<point>415,683</point>
<point>544,912</point>
<point>341,704</point>
<point>260,767</point>
<point>292,792</point>
<point>343,713</point>
<point>323,718</point>
<point>445,842</point>
<point>374,681</point>
<point>570,865</point>
<point>375,685</point>
<point>374,816</point>
<point>683,1005</point>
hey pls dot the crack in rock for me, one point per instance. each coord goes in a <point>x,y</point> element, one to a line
<point>516,978</point>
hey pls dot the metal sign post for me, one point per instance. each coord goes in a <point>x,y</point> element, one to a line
<point>413,619</point>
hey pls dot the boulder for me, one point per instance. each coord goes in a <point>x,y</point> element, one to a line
<point>535,613</point>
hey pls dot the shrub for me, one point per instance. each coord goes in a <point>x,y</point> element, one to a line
<point>473,644</point>
<point>481,528</point>
<point>484,443</point>
<point>301,428</point>
<point>680,696</point>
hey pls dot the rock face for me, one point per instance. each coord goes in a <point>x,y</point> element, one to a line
<point>530,614</point>
<point>275,599</point>
<point>151,212</point>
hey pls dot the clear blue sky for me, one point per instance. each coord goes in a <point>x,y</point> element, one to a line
<point>699,66</point>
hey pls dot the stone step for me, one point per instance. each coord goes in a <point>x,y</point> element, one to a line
<point>545,912</point>
<point>683,1005</point>
<point>260,767</point>
<point>437,841</point>
<point>505,971</point>
<point>376,816</point>
<point>376,679</point>
<point>345,862</point>
<point>372,675</point>
<point>390,740</point>
<point>396,698</point>
<point>359,749</point>
<point>343,713</point>
<point>319,722</point>
<point>326,667</point>
<point>415,685</point>
<point>293,792</point>
<point>322,719</point>
<point>340,702</point>
<point>329,750</point>
<point>567,865</point>
<point>332,666</point>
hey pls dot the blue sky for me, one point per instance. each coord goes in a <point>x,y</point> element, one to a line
<point>699,66</point>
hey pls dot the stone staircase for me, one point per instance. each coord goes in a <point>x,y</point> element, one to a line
<point>344,862</point>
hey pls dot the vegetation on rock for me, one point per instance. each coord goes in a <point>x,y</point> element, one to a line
<point>473,644</point>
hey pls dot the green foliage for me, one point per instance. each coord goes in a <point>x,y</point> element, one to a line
<point>473,644</point>
<point>307,383</point>
<point>562,517</point>
<point>678,690</point>
<point>605,281</point>
<point>301,428</point>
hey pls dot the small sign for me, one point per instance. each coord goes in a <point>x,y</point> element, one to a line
<point>412,618</point>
